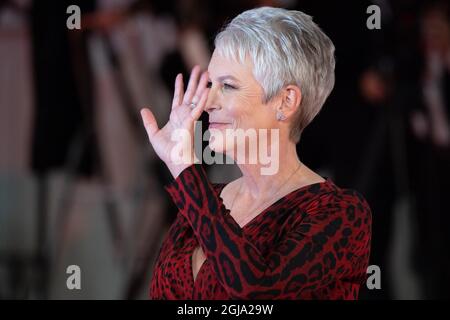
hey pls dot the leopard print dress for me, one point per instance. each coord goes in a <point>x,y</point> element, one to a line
<point>313,243</point>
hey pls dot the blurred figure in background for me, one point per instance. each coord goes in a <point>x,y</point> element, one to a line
<point>429,151</point>
<point>385,90</point>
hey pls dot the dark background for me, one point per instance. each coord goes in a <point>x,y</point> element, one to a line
<point>79,183</point>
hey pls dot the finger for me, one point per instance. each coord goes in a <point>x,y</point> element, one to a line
<point>179,88</point>
<point>150,124</point>
<point>202,85</point>
<point>197,111</point>
<point>192,86</point>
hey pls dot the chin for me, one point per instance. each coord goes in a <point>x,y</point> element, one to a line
<point>218,146</point>
<point>215,145</point>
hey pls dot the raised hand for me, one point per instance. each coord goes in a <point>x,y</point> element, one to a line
<point>186,109</point>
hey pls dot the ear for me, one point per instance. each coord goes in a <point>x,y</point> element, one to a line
<point>291,99</point>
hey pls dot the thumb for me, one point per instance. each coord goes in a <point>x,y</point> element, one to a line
<point>150,124</point>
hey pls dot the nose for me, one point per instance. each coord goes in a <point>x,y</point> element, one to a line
<point>213,102</point>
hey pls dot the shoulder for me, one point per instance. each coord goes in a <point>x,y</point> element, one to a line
<point>327,199</point>
<point>353,203</point>
<point>339,216</point>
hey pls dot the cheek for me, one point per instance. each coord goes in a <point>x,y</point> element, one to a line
<point>243,112</point>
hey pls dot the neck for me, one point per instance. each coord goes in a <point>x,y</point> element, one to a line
<point>258,186</point>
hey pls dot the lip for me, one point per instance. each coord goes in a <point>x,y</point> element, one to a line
<point>217,125</point>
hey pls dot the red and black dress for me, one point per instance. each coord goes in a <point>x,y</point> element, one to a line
<point>313,243</point>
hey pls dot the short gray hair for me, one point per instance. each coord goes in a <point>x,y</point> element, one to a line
<point>286,47</point>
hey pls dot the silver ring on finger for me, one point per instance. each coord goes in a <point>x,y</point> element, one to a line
<point>194,102</point>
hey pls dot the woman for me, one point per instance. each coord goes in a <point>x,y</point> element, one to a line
<point>290,234</point>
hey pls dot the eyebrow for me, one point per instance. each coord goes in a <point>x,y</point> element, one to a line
<point>225,77</point>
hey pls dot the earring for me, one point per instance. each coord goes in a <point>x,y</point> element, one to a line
<point>280,116</point>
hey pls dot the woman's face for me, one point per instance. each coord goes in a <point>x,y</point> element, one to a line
<point>235,101</point>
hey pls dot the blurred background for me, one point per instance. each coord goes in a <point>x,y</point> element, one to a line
<point>80,184</point>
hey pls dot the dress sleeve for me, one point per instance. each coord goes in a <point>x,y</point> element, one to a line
<point>323,246</point>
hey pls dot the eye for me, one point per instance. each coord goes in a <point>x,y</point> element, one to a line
<point>209,84</point>
<point>228,86</point>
